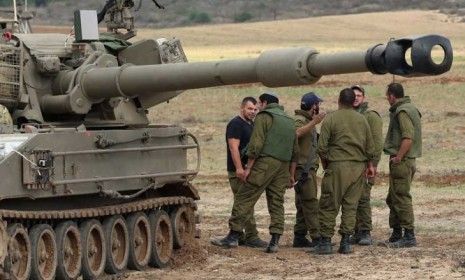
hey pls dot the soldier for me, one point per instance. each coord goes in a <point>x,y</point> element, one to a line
<point>403,145</point>
<point>346,149</point>
<point>363,224</point>
<point>238,133</point>
<point>306,200</point>
<point>5,117</point>
<point>272,155</point>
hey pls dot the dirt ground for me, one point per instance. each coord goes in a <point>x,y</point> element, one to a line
<point>440,227</point>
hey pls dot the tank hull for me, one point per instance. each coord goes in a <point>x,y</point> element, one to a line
<point>60,179</point>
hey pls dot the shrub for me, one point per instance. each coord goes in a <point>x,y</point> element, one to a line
<point>199,17</point>
<point>242,17</point>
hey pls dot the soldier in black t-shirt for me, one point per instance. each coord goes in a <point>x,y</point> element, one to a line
<point>238,132</point>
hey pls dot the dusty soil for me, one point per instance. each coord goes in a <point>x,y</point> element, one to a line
<point>440,222</point>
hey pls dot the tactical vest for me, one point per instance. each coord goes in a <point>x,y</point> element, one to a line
<point>394,136</point>
<point>279,142</point>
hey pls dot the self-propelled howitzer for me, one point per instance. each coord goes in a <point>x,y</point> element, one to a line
<point>88,185</point>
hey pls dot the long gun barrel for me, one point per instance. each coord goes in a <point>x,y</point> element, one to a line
<point>274,68</point>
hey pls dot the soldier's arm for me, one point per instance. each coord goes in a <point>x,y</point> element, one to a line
<point>370,144</point>
<point>323,141</point>
<point>294,159</point>
<point>302,129</point>
<point>376,127</point>
<point>262,124</point>
<point>407,133</point>
<point>233,145</point>
<point>370,171</point>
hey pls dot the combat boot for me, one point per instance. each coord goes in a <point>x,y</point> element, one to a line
<point>300,241</point>
<point>274,243</point>
<point>408,240</point>
<point>230,241</point>
<point>355,238</point>
<point>344,246</point>
<point>315,242</point>
<point>324,247</point>
<point>396,235</point>
<point>255,243</point>
<point>365,238</point>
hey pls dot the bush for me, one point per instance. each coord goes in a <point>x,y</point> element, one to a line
<point>242,17</point>
<point>199,17</point>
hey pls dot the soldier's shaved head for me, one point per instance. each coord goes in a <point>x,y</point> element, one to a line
<point>346,97</point>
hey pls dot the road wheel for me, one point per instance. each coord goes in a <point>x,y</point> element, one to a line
<point>139,241</point>
<point>93,249</point>
<point>183,223</point>
<point>43,252</point>
<point>162,239</point>
<point>18,262</point>
<point>117,243</point>
<point>69,250</point>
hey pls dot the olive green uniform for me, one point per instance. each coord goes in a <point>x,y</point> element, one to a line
<point>306,194</point>
<point>363,220</point>
<point>273,145</point>
<point>405,122</point>
<point>250,226</point>
<point>5,117</point>
<point>346,145</point>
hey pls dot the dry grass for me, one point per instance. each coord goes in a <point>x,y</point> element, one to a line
<point>328,33</point>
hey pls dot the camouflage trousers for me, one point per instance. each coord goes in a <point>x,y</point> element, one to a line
<point>341,187</point>
<point>267,175</point>
<point>306,204</point>
<point>250,227</point>
<point>363,218</point>
<point>399,198</point>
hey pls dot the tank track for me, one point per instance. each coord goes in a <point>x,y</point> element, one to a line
<point>48,244</point>
<point>96,212</point>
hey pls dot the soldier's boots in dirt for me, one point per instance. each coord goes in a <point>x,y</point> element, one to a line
<point>344,246</point>
<point>408,240</point>
<point>230,241</point>
<point>273,246</point>
<point>324,246</point>
<point>365,238</point>
<point>300,241</point>
<point>255,243</point>
<point>355,238</point>
<point>396,235</point>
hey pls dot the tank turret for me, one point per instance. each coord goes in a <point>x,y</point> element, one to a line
<point>88,185</point>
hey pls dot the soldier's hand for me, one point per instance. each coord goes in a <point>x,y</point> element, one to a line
<point>396,159</point>
<point>240,173</point>
<point>244,175</point>
<point>319,117</point>
<point>291,182</point>
<point>370,172</point>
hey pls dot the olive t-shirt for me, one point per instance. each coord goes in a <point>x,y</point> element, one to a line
<point>238,128</point>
